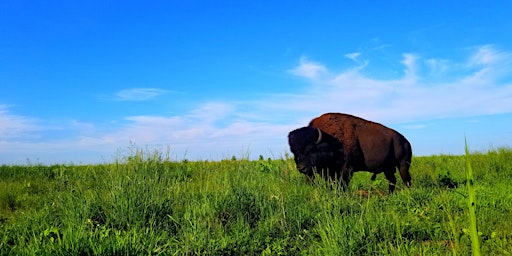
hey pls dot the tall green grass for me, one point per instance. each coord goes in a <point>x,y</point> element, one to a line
<point>146,204</point>
<point>475,243</point>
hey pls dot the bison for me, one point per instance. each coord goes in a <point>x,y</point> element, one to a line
<point>337,145</point>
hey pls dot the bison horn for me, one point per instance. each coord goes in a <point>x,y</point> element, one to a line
<point>319,136</point>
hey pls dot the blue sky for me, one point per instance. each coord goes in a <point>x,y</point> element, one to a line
<point>86,81</point>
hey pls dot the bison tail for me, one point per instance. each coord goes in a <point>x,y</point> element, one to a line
<point>404,172</point>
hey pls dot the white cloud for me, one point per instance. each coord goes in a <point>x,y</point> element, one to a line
<point>14,126</point>
<point>196,134</point>
<point>212,111</point>
<point>491,65</point>
<point>478,85</point>
<point>412,96</point>
<point>410,63</point>
<point>486,55</point>
<point>309,69</point>
<point>438,67</point>
<point>139,94</point>
<point>353,56</point>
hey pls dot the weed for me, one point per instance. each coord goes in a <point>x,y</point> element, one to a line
<point>12,201</point>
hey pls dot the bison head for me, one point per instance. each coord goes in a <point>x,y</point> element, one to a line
<point>315,151</point>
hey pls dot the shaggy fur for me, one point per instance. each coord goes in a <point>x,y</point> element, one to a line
<point>316,151</point>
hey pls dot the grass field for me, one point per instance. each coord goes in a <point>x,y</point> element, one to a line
<point>144,204</point>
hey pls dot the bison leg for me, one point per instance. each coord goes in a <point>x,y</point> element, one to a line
<point>346,175</point>
<point>390,176</point>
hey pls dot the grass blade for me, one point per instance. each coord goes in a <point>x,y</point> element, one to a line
<point>475,243</point>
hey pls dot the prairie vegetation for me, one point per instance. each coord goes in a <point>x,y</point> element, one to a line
<point>145,204</point>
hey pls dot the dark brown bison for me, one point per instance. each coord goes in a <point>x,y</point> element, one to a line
<point>361,145</point>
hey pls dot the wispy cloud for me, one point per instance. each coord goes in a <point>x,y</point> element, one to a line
<point>14,126</point>
<point>353,56</point>
<point>258,124</point>
<point>309,69</point>
<point>213,130</point>
<point>264,123</point>
<point>479,84</point>
<point>139,94</point>
<point>491,65</point>
<point>487,55</point>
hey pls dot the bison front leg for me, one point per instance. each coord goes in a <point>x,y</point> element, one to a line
<point>346,176</point>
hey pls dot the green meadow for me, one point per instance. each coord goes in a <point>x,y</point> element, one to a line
<point>147,204</point>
